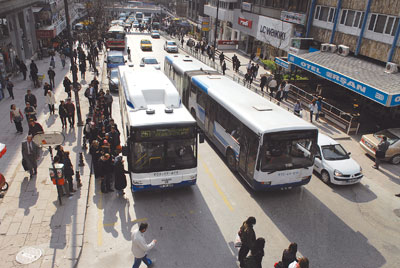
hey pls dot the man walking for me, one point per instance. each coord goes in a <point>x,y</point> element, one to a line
<point>51,75</point>
<point>10,87</point>
<point>223,67</point>
<point>23,69</point>
<point>380,153</point>
<point>30,155</point>
<point>140,247</point>
<point>71,112</point>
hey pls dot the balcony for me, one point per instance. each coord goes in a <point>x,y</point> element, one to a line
<point>223,14</point>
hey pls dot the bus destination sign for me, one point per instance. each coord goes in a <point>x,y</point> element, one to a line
<point>164,133</point>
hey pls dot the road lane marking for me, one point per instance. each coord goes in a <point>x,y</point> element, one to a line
<point>219,190</point>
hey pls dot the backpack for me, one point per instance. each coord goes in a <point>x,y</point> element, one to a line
<point>87,92</point>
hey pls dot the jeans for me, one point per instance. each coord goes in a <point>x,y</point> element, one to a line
<point>71,119</point>
<point>63,121</point>
<point>18,126</point>
<point>51,108</point>
<point>138,261</point>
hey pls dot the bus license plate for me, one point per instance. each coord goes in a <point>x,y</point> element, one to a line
<point>166,185</point>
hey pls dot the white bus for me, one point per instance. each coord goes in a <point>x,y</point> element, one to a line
<point>160,134</point>
<point>263,142</point>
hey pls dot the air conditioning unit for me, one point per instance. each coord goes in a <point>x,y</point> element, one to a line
<point>343,50</point>
<point>391,68</point>
<point>332,48</point>
<point>325,47</point>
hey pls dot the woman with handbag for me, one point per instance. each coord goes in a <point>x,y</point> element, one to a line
<point>16,117</point>
<point>248,237</point>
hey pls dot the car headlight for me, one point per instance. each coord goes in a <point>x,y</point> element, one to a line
<point>337,173</point>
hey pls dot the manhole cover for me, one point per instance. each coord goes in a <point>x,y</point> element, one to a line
<point>28,255</point>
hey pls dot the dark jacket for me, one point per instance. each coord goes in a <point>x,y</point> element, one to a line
<point>36,129</point>
<point>70,108</point>
<point>33,68</point>
<point>119,174</point>
<point>62,111</point>
<point>247,235</point>
<point>31,99</point>
<point>288,257</point>
<point>67,85</point>
<point>51,73</point>
<point>105,166</point>
<point>254,260</point>
<point>68,169</point>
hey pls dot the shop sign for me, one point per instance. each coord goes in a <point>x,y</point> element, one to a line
<point>292,17</point>
<point>45,34</point>
<point>340,79</point>
<point>395,100</point>
<point>277,33</point>
<point>228,42</point>
<point>283,63</point>
<point>245,23</point>
<point>246,6</point>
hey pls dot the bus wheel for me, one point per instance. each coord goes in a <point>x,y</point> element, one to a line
<point>231,159</point>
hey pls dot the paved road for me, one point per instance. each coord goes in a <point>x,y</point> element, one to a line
<point>353,226</point>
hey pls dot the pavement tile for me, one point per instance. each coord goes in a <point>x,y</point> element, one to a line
<point>19,215</point>
<point>5,224</point>
<point>25,225</point>
<point>13,230</point>
<point>38,216</point>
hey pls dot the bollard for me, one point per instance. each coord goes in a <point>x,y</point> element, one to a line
<point>84,145</point>
<point>81,164</point>
<point>78,179</point>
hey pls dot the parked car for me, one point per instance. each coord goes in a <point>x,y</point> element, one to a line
<point>155,34</point>
<point>145,44</point>
<point>150,61</point>
<point>369,143</point>
<point>114,59</point>
<point>113,80</point>
<point>335,164</point>
<point>170,46</point>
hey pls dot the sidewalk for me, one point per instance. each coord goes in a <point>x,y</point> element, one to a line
<point>30,214</point>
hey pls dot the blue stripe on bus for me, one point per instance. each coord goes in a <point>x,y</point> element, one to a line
<point>169,59</point>
<point>130,104</point>
<point>200,84</point>
<point>263,187</point>
<point>149,187</point>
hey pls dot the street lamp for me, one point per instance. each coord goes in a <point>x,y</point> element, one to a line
<point>74,70</point>
<point>215,31</point>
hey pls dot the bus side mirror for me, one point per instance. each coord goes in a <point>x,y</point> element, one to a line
<point>125,150</point>
<point>201,137</point>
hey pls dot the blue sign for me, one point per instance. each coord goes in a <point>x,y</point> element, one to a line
<point>283,63</point>
<point>395,100</point>
<point>345,81</point>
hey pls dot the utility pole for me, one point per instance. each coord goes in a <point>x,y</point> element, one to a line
<point>75,83</point>
<point>215,31</point>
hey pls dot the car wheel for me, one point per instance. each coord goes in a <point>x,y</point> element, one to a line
<point>325,177</point>
<point>231,159</point>
<point>395,159</point>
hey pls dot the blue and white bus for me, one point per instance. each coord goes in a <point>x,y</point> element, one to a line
<point>160,134</point>
<point>263,142</point>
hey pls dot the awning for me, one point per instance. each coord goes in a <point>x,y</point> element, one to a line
<point>283,63</point>
<point>36,9</point>
<point>360,76</point>
<point>3,149</point>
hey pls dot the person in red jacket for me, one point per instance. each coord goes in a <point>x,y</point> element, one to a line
<point>71,112</point>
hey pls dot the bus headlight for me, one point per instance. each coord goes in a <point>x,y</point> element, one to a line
<point>337,173</point>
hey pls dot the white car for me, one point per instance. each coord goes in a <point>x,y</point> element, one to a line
<point>150,61</point>
<point>335,164</point>
<point>170,46</point>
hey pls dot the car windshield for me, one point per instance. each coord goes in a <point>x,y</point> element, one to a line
<point>114,74</point>
<point>391,137</point>
<point>146,42</point>
<point>334,152</point>
<point>288,150</point>
<point>150,61</point>
<point>171,43</point>
<point>115,60</point>
<point>164,155</point>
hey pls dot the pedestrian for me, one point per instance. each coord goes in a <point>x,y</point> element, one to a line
<point>52,62</point>
<point>29,97</point>
<point>128,51</point>
<point>68,172</point>
<point>248,237</point>
<point>263,82</point>
<point>47,87</point>
<point>30,112</point>
<point>10,87</point>
<point>311,108</point>
<point>297,108</point>
<point>234,59</point>
<point>95,84</point>
<point>51,101</point>
<point>223,67</point>
<point>289,255</point>
<point>90,94</point>
<point>221,58</point>
<point>51,75</point>
<point>62,57</point>
<point>300,263</point>
<point>272,86</point>
<point>71,112</point>
<point>279,93</point>
<point>67,86</point>
<point>253,70</point>
<point>23,69</point>
<point>119,175</point>
<point>286,90</point>
<point>249,66</point>
<point>34,128</point>
<point>140,247</point>
<point>256,70</point>
<point>182,41</point>
<point>380,153</point>
<point>30,155</point>
<point>109,100</point>
<point>106,171</point>
<point>94,151</point>
<point>237,65</point>
<point>82,69</point>
<point>256,254</point>
<point>62,111</point>
<point>16,116</point>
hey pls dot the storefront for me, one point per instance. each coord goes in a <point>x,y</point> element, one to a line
<point>245,23</point>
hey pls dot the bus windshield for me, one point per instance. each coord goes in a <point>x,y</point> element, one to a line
<point>116,35</point>
<point>149,156</point>
<point>288,150</point>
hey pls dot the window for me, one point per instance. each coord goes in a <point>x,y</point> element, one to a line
<point>343,18</point>
<point>325,13</point>
<point>331,14</point>
<point>222,116</point>
<point>383,24</point>
<point>350,18</point>
<point>317,11</point>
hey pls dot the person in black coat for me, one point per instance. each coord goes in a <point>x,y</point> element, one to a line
<point>256,254</point>
<point>289,255</point>
<point>67,86</point>
<point>29,97</point>
<point>248,237</point>
<point>68,171</point>
<point>23,69</point>
<point>119,175</point>
<point>95,153</point>
<point>263,82</point>
<point>106,171</point>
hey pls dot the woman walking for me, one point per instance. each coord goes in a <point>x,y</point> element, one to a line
<point>16,117</point>
<point>248,237</point>
<point>51,101</point>
<point>256,254</point>
<point>68,171</point>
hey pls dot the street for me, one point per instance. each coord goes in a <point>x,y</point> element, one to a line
<point>348,226</point>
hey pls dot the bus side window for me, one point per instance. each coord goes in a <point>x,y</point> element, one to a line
<point>201,98</point>
<point>192,89</point>
<point>222,116</point>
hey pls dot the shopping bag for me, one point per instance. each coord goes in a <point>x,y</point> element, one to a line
<point>238,241</point>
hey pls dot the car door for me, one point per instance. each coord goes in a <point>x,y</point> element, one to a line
<point>318,162</point>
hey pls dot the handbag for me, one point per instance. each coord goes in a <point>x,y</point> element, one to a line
<point>238,241</point>
<point>17,118</point>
